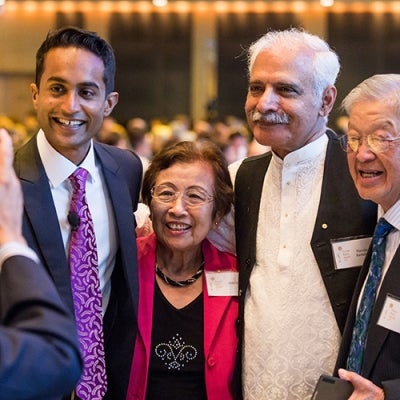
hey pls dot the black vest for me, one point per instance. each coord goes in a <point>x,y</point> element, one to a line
<point>341,213</point>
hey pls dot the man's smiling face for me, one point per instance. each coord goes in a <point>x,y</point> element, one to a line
<point>376,175</point>
<point>71,100</point>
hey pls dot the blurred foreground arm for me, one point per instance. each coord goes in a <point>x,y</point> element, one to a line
<point>39,353</point>
<point>10,195</point>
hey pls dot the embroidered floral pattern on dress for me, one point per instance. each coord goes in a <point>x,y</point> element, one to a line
<point>176,353</point>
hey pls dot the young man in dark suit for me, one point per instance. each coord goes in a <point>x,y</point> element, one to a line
<point>72,94</point>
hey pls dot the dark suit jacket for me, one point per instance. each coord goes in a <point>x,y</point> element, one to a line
<point>341,213</point>
<point>39,351</point>
<point>381,362</point>
<point>122,172</point>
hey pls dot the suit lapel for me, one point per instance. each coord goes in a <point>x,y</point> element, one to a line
<point>123,212</point>
<point>43,235</point>
<point>377,334</point>
<point>41,222</point>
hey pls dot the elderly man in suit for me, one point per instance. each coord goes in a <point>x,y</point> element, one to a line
<point>296,207</point>
<point>369,355</point>
<point>39,353</point>
<point>72,94</point>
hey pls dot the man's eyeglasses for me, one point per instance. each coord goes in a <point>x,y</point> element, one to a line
<point>375,143</point>
<point>192,197</point>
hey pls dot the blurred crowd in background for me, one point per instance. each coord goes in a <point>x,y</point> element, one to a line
<point>146,138</point>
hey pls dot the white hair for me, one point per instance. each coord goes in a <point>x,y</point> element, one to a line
<point>326,64</point>
<point>384,88</point>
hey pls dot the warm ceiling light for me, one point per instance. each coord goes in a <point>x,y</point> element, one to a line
<point>327,3</point>
<point>30,6</point>
<point>299,6</point>
<point>160,3</point>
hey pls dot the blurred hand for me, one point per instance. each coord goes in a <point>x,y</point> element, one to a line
<point>143,221</point>
<point>363,388</point>
<point>11,200</point>
<point>222,236</point>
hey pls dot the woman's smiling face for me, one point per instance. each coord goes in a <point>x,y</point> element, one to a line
<point>178,226</point>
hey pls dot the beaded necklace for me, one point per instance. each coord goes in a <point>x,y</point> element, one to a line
<point>184,283</point>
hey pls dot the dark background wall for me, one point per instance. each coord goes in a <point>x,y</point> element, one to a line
<point>153,59</point>
<point>153,52</point>
<point>367,44</point>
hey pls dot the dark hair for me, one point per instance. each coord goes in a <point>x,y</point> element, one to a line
<point>187,152</point>
<point>80,38</point>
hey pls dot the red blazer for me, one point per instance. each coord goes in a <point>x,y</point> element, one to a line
<point>220,315</point>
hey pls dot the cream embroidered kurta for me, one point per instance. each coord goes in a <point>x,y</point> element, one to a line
<point>291,335</point>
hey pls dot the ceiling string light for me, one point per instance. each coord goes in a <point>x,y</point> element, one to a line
<point>160,3</point>
<point>327,3</point>
<point>183,6</point>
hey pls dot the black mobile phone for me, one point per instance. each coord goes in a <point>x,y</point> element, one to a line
<point>332,388</point>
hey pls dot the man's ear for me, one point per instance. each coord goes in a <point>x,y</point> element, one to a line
<point>34,94</point>
<point>111,101</point>
<point>328,100</point>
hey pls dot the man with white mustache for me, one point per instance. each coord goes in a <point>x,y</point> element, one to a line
<point>269,117</point>
<point>296,213</point>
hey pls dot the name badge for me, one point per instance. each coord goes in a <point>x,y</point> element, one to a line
<point>350,252</point>
<point>390,315</point>
<point>222,283</point>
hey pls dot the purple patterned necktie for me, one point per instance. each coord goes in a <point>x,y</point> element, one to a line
<point>86,293</point>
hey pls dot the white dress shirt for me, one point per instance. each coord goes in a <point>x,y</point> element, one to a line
<point>291,335</point>
<point>392,242</point>
<point>58,169</point>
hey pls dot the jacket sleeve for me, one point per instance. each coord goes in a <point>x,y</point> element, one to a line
<point>391,389</point>
<point>38,342</point>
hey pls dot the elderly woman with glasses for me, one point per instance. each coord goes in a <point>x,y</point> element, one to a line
<point>188,307</point>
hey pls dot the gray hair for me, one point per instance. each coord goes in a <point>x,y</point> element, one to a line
<point>384,88</point>
<point>325,66</point>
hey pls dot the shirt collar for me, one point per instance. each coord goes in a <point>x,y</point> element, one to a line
<point>392,215</point>
<point>58,168</point>
<point>306,153</point>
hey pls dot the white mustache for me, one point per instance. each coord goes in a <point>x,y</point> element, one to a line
<point>270,117</point>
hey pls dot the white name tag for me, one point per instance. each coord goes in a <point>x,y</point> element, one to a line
<point>222,283</point>
<point>350,252</point>
<point>390,315</point>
